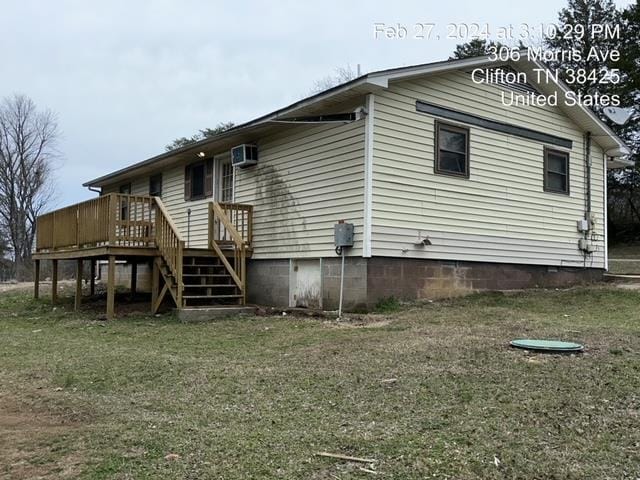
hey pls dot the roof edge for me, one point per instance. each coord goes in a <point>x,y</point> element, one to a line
<point>376,80</point>
<point>276,114</point>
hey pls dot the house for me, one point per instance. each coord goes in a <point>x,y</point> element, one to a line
<point>448,190</point>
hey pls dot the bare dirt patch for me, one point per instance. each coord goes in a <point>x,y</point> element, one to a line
<point>15,286</point>
<point>64,286</point>
<point>28,443</point>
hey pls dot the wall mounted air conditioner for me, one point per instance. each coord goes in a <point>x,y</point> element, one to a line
<point>244,155</point>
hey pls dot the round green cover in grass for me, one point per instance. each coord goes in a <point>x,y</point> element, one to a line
<point>547,345</point>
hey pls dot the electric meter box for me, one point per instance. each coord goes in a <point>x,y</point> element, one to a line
<point>343,233</point>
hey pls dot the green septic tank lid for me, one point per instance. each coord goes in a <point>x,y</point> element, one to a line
<point>547,345</point>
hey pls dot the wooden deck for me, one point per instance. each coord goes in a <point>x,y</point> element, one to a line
<point>139,229</point>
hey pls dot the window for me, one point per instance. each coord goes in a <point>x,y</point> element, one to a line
<point>155,185</point>
<point>124,203</point>
<point>198,180</point>
<point>226,182</point>
<point>451,150</point>
<point>556,171</point>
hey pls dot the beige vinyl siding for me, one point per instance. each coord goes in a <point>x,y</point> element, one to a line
<point>308,177</point>
<point>501,213</point>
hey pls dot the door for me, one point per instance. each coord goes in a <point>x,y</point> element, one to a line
<point>225,180</point>
<point>305,283</point>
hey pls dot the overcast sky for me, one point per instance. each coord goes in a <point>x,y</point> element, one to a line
<point>127,77</point>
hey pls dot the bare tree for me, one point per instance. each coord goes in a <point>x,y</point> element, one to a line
<point>28,138</point>
<point>341,75</point>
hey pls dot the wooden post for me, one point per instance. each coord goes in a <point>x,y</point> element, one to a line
<point>54,281</point>
<point>243,273</point>
<point>78,284</point>
<point>134,277</point>
<point>179,278</point>
<point>92,281</point>
<point>111,287</point>
<point>36,279</point>
<point>155,284</point>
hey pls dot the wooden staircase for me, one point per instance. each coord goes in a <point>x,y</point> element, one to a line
<point>118,226</point>
<point>210,277</point>
<point>207,283</point>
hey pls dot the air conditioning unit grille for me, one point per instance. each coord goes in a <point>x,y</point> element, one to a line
<point>244,155</point>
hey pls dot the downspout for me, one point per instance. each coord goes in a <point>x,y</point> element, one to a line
<point>368,176</point>
<point>587,161</point>
<point>587,207</point>
<point>606,214</point>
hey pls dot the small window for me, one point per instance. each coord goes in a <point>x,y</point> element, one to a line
<point>556,171</point>
<point>197,181</point>
<point>451,150</point>
<point>155,185</point>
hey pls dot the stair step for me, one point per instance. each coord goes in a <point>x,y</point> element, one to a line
<point>202,265</point>
<point>187,297</point>
<point>210,285</point>
<point>219,275</point>
<point>205,275</point>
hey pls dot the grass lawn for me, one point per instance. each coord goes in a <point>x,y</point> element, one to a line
<point>629,251</point>
<point>431,391</point>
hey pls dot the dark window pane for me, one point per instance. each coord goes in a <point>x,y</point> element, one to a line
<point>197,181</point>
<point>556,181</point>
<point>155,185</point>
<point>452,141</point>
<point>452,162</point>
<point>557,163</point>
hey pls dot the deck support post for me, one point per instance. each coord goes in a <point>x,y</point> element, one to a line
<point>155,284</point>
<point>54,281</point>
<point>92,281</point>
<point>111,288</point>
<point>78,299</point>
<point>36,279</point>
<point>134,277</point>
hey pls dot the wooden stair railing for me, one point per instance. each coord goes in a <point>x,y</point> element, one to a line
<point>224,218</point>
<point>171,248</point>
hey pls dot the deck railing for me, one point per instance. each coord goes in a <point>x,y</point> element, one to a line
<point>240,216</point>
<point>230,224</point>
<point>114,219</point>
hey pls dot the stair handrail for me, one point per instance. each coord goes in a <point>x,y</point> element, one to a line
<point>240,253</point>
<point>171,245</point>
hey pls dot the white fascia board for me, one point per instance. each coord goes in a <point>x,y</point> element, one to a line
<point>416,71</point>
<point>619,163</point>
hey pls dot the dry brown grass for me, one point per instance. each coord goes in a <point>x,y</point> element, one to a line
<point>430,391</point>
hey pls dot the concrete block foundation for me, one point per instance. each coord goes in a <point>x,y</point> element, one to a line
<point>369,280</point>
